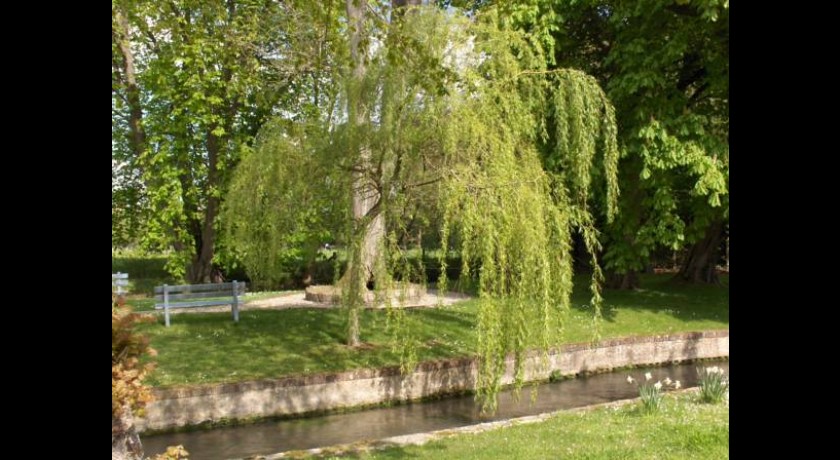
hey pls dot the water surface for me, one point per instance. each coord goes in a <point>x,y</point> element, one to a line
<point>306,433</point>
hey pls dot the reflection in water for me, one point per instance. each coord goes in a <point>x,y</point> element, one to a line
<point>277,436</point>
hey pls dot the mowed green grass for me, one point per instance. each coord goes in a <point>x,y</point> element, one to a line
<point>684,429</point>
<point>210,347</point>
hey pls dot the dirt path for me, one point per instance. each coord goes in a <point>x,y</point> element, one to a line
<point>296,300</point>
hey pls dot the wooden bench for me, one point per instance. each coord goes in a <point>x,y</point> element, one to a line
<point>119,282</point>
<point>211,294</point>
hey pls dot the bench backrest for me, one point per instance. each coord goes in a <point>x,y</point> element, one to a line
<point>181,293</point>
<point>197,291</point>
<point>118,283</point>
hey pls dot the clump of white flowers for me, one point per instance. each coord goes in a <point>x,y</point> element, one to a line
<point>651,395</point>
<point>713,385</point>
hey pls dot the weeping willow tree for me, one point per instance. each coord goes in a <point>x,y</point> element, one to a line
<point>286,201</point>
<point>452,112</point>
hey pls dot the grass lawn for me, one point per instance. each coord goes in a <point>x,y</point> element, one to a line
<point>209,347</point>
<point>684,429</point>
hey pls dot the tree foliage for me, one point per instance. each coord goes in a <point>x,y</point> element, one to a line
<point>665,66</point>
<point>674,100</point>
<point>128,393</point>
<point>457,112</point>
<point>284,202</point>
<point>192,82</point>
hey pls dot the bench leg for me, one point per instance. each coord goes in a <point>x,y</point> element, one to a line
<point>166,303</point>
<point>235,306</point>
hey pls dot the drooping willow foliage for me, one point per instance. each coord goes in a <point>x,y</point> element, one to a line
<point>459,115</point>
<point>283,202</point>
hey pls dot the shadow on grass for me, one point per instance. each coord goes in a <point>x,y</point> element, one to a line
<point>659,295</point>
<point>446,315</point>
<point>437,450</point>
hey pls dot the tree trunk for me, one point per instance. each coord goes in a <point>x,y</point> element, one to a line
<point>368,218</point>
<point>125,443</point>
<point>201,269</point>
<point>132,89</point>
<point>727,254</point>
<point>629,280</point>
<point>700,264</point>
<point>359,268</point>
<point>372,236</point>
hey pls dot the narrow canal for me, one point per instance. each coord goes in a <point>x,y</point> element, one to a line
<point>278,436</point>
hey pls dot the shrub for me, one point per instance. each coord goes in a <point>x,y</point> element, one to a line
<point>127,390</point>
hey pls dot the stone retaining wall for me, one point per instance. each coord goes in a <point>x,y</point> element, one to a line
<point>323,392</point>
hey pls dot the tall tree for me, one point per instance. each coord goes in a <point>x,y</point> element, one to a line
<point>368,220</point>
<point>128,132</point>
<point>192,82</point>
<point>368,215</point>
<point>454,109</point>
<point>665,66</point>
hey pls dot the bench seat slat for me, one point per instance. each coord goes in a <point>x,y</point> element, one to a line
<point>198,295</point>
<point>198,287</point>
<point>198,303</point>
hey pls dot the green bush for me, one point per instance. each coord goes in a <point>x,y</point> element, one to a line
<point>140,266</point>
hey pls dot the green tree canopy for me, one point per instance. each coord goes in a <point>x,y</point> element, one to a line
<point>665,66</point>
<point>192,82</point>
<point>450,110</point>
